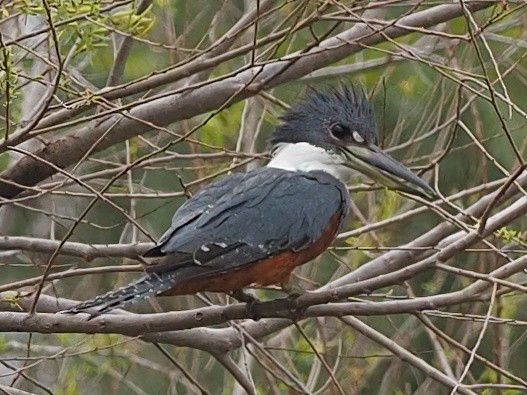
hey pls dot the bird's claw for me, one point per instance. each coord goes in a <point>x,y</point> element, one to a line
<point>284,307</point>
<point>256,309</point>
<point>250,301</point>
<point>243,297</point>
<point>252,309</point>
<point>297,312</point>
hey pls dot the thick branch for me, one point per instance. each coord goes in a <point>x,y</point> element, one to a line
<point>140,324</point>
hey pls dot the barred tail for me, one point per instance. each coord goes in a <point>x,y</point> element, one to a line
<point>152,284</point>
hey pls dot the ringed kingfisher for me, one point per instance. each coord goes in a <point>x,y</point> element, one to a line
<point>254,228</point>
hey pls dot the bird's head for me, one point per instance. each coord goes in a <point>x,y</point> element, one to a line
<point>335,131</point>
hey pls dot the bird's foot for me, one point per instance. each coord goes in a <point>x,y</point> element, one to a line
<point>250,301</point>
<point>293,291</point>
<point>284,307</point>
<point>296,312</point>
<point>243,297</point>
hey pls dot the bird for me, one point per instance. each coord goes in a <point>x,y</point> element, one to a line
<point>255,228</point>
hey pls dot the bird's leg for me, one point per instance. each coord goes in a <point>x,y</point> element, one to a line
<point>249,300</point>
<point>243,297</point>
<point>293,292</point>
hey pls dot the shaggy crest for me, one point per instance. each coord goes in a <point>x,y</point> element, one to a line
<point>347,105</point>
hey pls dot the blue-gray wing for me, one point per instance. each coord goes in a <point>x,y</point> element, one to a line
<point>249,217</point>
<point>194,207</point>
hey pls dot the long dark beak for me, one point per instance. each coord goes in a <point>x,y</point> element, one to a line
<point>381,167</point>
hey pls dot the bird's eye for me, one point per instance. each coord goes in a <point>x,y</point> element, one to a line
<point>338,131</point>
<point>357,137</point>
